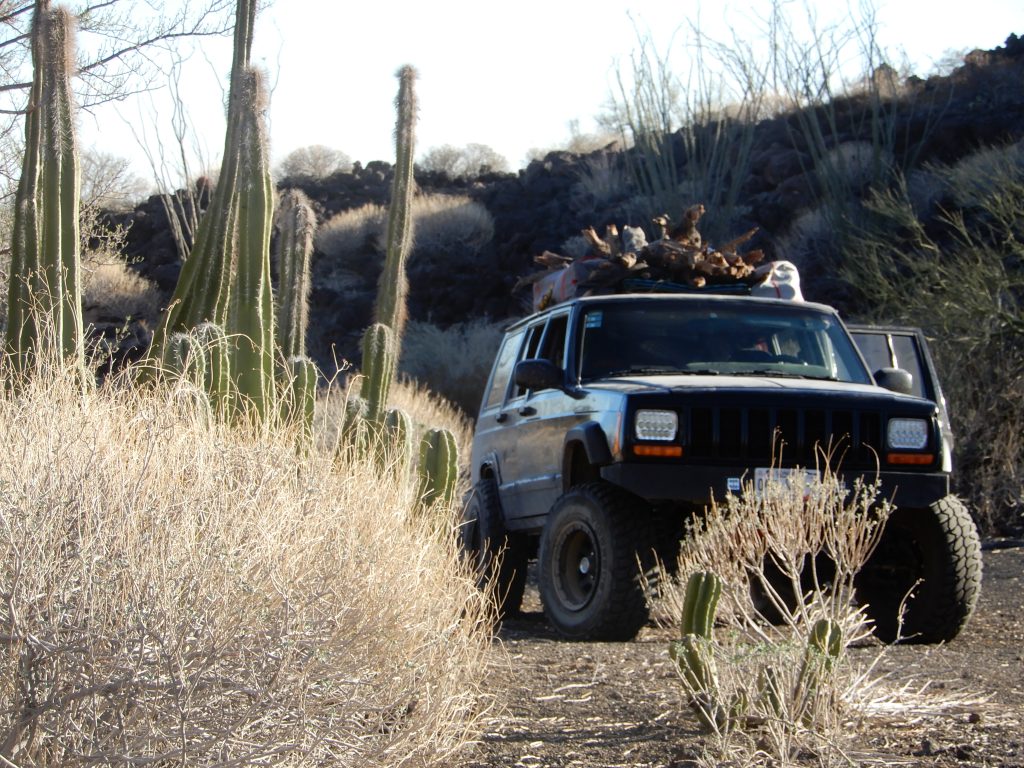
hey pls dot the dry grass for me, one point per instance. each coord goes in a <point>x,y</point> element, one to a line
<point>111,288</point>
<point>178,593</point>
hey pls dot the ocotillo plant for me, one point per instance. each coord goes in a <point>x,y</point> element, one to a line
<point>296,226</point>
<point>44,317</point>
<point>393,285</point>
<point>438,467</point>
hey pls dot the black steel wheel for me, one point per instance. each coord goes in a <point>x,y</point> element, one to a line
<point>595,545</point>
<point>499,558</point>
<point>930,560</point>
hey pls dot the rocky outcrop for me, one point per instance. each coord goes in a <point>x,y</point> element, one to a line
<point>936,120</point>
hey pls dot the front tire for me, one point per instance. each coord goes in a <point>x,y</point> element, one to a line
<point>593,549</point>
<point>498,558</point>
<point>932,554</point>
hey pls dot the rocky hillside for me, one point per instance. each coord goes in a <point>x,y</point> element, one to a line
<point>938,120</point>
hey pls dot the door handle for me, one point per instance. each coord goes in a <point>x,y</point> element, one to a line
<point>527,410</point>
<point>501,418</point>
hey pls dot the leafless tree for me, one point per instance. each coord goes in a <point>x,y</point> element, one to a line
<point>314,162</point>
<point>469,160</point>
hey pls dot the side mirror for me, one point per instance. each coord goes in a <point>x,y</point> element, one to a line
<point>539,374</point>
<point>895,380</point>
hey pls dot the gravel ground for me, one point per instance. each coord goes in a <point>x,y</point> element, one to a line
<point>620,704</point>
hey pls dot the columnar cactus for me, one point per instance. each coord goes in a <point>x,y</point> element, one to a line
<point>824,647</point>
<point>398,434</point>
<point>303,376</point>
<point>296,227</point>
<point>693,653</point>
<point>44,316</point>
<point>379,362</point>
<point>438,467</point>
<point>393,286</point>
<point>250,316</point>
<point>187,358</point>
<point>213,342</point>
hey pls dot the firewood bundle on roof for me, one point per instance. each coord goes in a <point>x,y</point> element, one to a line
<point>618,261</point>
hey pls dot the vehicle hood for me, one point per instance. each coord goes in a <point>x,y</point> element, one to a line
<point>700,385</point>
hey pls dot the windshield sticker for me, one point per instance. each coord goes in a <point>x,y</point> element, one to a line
<point>595,319</point>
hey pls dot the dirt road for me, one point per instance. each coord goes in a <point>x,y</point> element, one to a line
<point>620,704</point>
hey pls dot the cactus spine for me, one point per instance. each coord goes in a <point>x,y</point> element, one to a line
<point>296,226</point>
<point>438,467</point>
<point>393,285</point>
<point>44,318</point>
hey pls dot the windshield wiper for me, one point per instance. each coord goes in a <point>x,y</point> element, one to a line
<point>775,374</point>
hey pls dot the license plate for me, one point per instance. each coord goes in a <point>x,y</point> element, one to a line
<point>789,478</point>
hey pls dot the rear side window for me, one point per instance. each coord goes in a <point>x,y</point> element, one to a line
<point>503,370</point>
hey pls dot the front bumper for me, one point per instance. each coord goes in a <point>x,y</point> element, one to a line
<point>698,484</point>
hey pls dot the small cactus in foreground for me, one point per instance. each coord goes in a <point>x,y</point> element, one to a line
<point>824,647</point>
<point>693,653</point>
<point>438,467</point>
<point>300,401</point>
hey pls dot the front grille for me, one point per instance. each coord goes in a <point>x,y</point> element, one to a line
<point>785,436</point>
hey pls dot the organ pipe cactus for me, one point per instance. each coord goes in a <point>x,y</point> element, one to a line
<point>187,358</point>
<point>44,318</point>
<point>398,431</point>
<point>379,362</point>
<point>824,647</point>
<point>693,653</point>
<point>393,285</point>
<point>303,376</point>
<point>250,318</point>
<point>296,226</point>
<point>438,467</point>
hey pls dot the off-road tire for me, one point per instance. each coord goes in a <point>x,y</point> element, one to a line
<point>498,558</point>
<point>595,546</point>
<point>938,547</point>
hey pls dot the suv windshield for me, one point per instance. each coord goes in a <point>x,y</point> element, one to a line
<point>644,338</point>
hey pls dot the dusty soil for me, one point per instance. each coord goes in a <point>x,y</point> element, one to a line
<point>620,704</point>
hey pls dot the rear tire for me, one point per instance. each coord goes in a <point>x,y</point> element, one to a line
<point>589,574</point>
<point>937,547</point>
<point>498,558</point>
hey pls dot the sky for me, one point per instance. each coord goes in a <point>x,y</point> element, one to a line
<point>510,75</point>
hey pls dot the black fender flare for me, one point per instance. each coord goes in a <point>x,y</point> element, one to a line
<point>594,441</point>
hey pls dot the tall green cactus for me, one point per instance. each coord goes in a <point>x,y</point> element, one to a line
<point>438,467</point>
<point>44,316</point>
<point>378,369</point>
<point>300,403</point>
<point>393,287</point>
<point>250,317</point>
<point>693,652</point>
<point>296,227</point>
<point>226,279</point>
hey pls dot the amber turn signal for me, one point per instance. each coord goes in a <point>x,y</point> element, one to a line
<point>661,451</point>
<point>916,459</point>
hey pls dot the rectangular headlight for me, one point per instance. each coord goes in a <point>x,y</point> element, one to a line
<point>907,434</point>
<point>656,425</point>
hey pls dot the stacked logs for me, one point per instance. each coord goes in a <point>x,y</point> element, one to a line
<point>679,257</point>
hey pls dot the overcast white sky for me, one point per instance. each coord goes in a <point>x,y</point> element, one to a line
<point>511,75</point>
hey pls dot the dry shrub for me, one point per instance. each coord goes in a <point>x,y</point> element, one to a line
<point>351,233</point>
<point>440,223</point>
<point>176,593</point>
<point>455,361</point>
<point>111,288</point>
<point>769,552</point>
